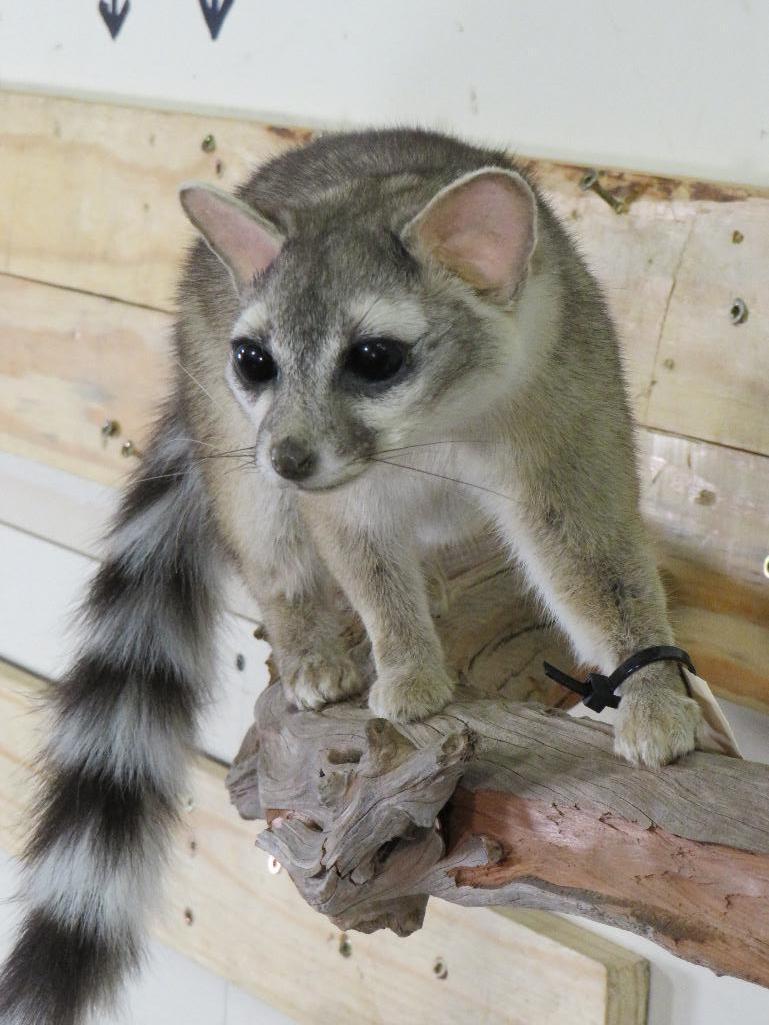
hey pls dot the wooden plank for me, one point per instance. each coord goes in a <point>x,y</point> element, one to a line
<point>671,272</point>
<point>708,509</point>
<point>89,201</point>
<point>90,189</point>
<point>226,911</point>
<point>69,361</point>
<point>635,258</point>
<point>711,377</point>
<point>710,506</point>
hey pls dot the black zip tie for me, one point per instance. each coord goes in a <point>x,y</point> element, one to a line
<point>597,692</point>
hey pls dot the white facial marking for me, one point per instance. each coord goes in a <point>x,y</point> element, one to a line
<point>252,321</point>
<point>255,408</point>
<point>390,318</point>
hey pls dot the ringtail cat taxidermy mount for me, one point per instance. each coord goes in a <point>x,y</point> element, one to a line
<point>372,318</point>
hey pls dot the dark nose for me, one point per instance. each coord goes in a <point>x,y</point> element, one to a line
<point>292,459</point>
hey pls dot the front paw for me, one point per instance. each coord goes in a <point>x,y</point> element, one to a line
<point>320,679</point>
<point>655,724</point>
<point>411,693</point>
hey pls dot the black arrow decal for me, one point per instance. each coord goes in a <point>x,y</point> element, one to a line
<point>215,11</point>
<point>113,17</point>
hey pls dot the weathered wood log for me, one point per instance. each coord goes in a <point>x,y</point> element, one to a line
<point>500,802</point>
<point>504,803</point>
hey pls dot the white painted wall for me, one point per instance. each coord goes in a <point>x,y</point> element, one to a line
<point>663,85</point>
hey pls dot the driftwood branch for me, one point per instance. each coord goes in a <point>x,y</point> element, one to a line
<point>500,802</point>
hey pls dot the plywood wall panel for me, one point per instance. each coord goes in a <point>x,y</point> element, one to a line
<point>69,360</point>
<point>711,376</point>
<point>90,190</point>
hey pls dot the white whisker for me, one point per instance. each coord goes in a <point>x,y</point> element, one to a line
<point>442,476</point>
<point>196,381</point>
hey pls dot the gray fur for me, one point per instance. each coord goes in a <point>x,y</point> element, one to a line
<point>122,725</point>
<point>529,393</point>
<point>508,415</point>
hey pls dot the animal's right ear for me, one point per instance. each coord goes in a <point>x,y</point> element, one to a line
<point>244,241</point>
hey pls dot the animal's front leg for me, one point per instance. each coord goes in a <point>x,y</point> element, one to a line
<point>303,629</point>
<point>384,581</point>
<point>604,590</point>
<point>296,598</point>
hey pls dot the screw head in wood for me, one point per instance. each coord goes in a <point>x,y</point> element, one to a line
<point>110,428</point>
<point>589,181</point>
<point>208,145</point>
<point>738,311</point>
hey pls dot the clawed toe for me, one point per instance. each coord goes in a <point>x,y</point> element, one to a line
<point>319,680</point>
<point>411,693</point>
<point>655,726</point>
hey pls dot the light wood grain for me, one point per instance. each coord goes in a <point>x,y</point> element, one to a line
<point>671,271</point>
<point>634,256</point>
<point>711,378</point>
<point>89,189</point>
<point>254,928</point>
<point>89,201</point>
<point>708,511</point>
<point>68,361</point>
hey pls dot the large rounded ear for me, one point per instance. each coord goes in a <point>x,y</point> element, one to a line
<point>482,227</point>
<point>244,241</point>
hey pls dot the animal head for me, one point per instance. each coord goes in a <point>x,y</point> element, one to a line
<point>385,312</point>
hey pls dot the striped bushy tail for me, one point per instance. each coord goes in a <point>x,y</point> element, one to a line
<point>123,721</point>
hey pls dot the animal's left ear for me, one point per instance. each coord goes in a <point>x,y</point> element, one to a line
<point>482,227</point>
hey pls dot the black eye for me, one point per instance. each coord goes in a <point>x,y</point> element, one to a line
<point>252,361</point>
<point>375,359</point>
